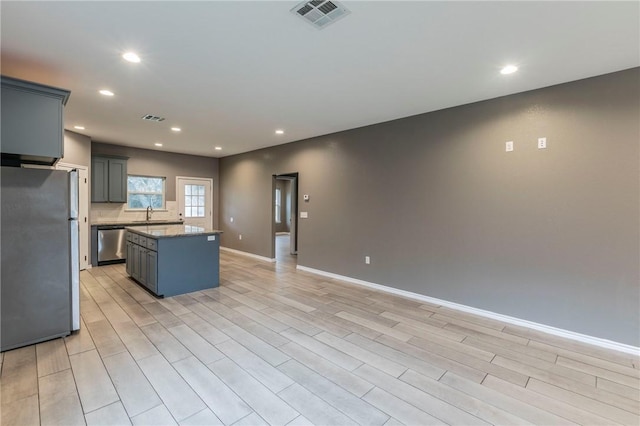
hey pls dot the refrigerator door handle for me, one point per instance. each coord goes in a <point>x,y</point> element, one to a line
<point>75,275</point>
<point>73,194</point>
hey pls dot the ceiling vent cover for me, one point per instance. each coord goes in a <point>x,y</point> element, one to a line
<point>320,13</point>
<point>151,117</point>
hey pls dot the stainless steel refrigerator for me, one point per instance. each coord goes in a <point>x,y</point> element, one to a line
<point>40,276</point>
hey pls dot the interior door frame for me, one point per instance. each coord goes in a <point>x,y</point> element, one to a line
<point>85,226</point>
<point>210,180</point>
<point>294,230</point>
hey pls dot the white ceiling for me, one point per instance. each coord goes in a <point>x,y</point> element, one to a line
<point>231,73</point>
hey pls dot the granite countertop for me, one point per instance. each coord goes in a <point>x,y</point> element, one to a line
<point>138,223</point>
<point>168,231</point>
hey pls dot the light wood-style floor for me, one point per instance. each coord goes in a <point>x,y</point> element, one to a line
<point>277,346</point>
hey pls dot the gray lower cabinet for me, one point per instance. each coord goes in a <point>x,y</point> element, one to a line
<point>152,271</point>
<point>133,260</point>
<point>176,265</point>
<point>129,254</point>
<point>142,262</point>
<point>32,122</point>
<point>108,179</point>
<point>133,266</point>
<point>144,265</point>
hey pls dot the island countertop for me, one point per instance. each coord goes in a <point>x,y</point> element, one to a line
<point>137,223</point>
<point>171,231</point>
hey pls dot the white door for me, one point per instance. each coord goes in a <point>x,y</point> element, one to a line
<point>83,210</point>
<point>195,201</point>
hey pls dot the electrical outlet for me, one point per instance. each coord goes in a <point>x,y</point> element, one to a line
<point>542,143</point>
<point>240,236</point>
<point>367,260</point>
<point>508,146</point>
<point>231,219</point>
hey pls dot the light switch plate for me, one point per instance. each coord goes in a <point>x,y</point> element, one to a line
<point>508,146</point>
<point>542,143</point>
<point>211,237</point>
<point>304,215</point>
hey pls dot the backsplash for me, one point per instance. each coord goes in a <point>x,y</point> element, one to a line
<point>110,212</point>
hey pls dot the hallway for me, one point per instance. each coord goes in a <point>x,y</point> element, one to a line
<point>283,254</point>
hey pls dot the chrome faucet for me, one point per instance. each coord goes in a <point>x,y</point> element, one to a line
<point>149,212</point>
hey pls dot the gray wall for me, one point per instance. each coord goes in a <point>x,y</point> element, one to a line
<point>77,149</point>
<point>168,164</point>
<point>549,236</point>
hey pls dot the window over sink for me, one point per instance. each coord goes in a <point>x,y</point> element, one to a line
<point>145,191</point>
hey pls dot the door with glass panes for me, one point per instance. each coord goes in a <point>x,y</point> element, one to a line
<point>195,206</point>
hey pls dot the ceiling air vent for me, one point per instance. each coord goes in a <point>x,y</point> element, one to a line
<point>150,117</point>
<point>320,13</point>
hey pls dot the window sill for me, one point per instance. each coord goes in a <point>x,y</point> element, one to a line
<point>144,210</point>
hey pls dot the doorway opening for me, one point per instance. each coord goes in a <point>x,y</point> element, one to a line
<point>285,217</point>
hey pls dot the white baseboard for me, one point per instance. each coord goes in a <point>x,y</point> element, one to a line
<point>596,341</point>
<point>244,253</point>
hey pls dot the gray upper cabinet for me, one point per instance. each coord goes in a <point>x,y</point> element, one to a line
<point>108,179</point>
<point>99,180</point>
<point>32,122</point>
<point>117,180</point>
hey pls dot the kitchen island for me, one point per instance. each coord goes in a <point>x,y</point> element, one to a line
<point>173,259</point>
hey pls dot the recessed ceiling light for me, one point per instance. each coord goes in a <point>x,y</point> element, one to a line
<point>131,57</point>
<point>106,92</point>
<point>176,129</point>
<point>509,69</point>
<point>79,127</point>
<point>279,132</point>
<point>157,144</point>
<point>218,148</point>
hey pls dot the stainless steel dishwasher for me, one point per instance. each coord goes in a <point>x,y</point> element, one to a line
<point>112,244</point>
